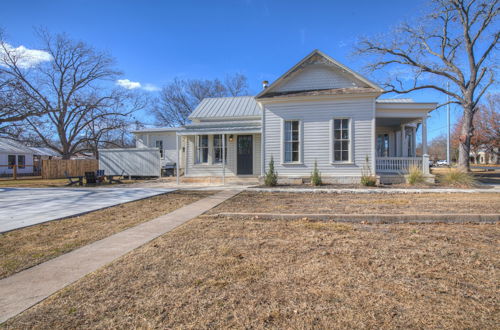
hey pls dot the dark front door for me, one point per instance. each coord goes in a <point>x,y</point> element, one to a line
<point>245,154</point>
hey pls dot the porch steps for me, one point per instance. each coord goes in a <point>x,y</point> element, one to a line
<point>218,180</point>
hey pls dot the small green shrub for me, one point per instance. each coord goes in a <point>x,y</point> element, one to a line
<point>455,177</point>
<point>271,178</point>
<point>316,176</point>
<point>367,178</point>
<point>415,175</point>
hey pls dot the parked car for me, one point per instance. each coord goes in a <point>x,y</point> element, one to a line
<point>441,163</point>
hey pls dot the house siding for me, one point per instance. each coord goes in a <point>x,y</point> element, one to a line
<point>317,77</point>
<point>315,117</point>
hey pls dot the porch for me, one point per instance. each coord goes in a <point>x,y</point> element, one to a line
<point>396,145</point>
<point>222,151</point>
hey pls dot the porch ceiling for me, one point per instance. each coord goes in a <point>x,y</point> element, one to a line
<point>395,122</point>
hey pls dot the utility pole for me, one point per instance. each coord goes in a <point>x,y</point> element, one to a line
<point>448,160</point>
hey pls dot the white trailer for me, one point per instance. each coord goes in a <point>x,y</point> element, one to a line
<point>130,161</point>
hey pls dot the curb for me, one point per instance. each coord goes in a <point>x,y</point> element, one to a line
<point>368,218</point>
<point>373,191</point>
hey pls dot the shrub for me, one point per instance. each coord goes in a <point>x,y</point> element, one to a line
<point>415,175</point>
<point>367,178</point>
<point>456,177</point>
<point>271,178</point>
<point>316,175</point>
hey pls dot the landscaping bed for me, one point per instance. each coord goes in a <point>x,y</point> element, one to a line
<point>314,203</point>
<point>228,273</point>
<point>26,247</point>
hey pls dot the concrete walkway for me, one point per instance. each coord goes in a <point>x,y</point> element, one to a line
<point>21,207</point>
<point>27,288</point>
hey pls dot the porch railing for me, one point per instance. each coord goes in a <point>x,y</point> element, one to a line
<point>397,164</point>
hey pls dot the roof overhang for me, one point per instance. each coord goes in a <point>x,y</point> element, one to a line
<point>404,110</point>
<point>223,127</point>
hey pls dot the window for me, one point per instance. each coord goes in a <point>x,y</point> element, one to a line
<point>159,145</point>
<point>292,141</point>
<point>341,140</point>
<point>218,149</point>
<point>202,149</point>
<point>21,161</point>
<point>11,161</point>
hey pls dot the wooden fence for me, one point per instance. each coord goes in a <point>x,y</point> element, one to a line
<point>55,168</point>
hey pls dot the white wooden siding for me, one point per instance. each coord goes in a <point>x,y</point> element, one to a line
<point>317,77</point>
<point>316,122</point>
<point>198,170</point>
<point>148,140</point>
<point>133,161</point>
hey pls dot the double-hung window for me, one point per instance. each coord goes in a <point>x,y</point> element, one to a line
<point>159,145</point>
<point>341,140</point>
<point>11,160</point>
<point>21,161</point>
<point>202,149</point>
<point>292,141</point>
<point>218,149</point>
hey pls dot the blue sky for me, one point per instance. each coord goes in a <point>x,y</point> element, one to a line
<point>155,41</point>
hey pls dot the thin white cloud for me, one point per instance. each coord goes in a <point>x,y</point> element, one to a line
<point>151,88</point>
<point>125,83</point>
<point>25,57</point>
<point>128,84</point>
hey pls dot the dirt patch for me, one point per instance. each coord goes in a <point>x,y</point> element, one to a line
<point>26,247</point>
<point>227,273</point>
<point>261,202</point>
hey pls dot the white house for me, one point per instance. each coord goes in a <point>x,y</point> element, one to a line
<point>318,111</point>
<point>25,159</point>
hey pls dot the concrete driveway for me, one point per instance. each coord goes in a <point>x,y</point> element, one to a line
<point>21,207</point>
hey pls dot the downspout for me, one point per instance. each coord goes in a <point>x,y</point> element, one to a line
<point>178,157</point>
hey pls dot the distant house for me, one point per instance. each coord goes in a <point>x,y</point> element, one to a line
<point>25,159</point>
<point>318,111</point>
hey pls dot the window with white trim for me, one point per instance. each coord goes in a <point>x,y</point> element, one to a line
<point>292,141</point>
<point>202,149</point>
<point>218,148</point>
<point>341,140</point>
<point>159,145</point>
<point>11,160</point>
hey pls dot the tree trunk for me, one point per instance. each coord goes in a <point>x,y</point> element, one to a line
<point>465,138</point>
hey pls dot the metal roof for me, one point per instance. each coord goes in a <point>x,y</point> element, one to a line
<point>44,151</point>
<point>227,107</point>
<point>8,145</point>
<point>395,101</point>
<point>158,130</point>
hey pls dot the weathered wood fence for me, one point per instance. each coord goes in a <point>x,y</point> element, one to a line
<point>55,168</point>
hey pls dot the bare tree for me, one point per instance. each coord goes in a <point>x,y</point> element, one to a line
<point>455,43</point>
<point>178,99</point>
<point>72,90</point>
<point>16,103</point>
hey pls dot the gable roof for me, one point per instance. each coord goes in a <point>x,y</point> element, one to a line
<point>15,147</point>
<point>316,56</point>
<point>227,107</point>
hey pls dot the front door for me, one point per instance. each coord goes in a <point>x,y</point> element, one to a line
<point>245,154</point>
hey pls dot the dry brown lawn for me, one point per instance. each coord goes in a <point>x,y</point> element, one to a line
<point>227,273</point>
<point>26,247</point>
<point>256,202</point>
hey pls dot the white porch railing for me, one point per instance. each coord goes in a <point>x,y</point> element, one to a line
<point>397,164</point>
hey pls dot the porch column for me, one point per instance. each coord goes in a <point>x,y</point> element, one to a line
<point>424,135</point>
<point>425,156</point>
<point>414,142</point>
<point>178,157</point>
<point>223,159</point>
<point>404,147</point>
